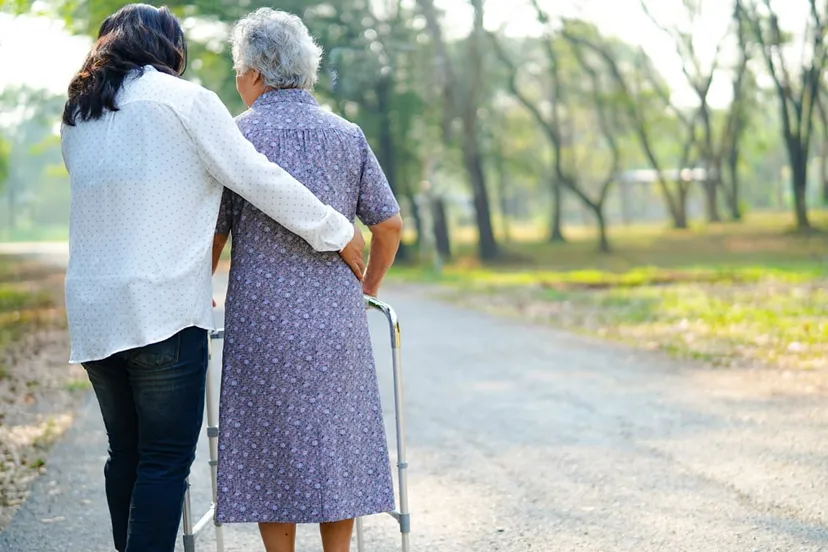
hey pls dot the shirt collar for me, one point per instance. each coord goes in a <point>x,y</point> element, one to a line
<point>135,73</point>
<point>291,95</point>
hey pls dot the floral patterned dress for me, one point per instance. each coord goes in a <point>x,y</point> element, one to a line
<point>302,438</point>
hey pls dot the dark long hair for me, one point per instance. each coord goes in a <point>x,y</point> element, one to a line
<point>135,36</point>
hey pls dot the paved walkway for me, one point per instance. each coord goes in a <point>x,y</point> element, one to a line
<point>522,438</point>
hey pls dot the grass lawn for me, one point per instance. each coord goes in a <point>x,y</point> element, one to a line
<point>729,294</point>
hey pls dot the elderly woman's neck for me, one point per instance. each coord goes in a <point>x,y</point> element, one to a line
<point>252,96</point>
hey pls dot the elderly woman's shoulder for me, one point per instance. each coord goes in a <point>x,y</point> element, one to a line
<point>340,123</point>
<point>309,117</point>
<point>243,116</point>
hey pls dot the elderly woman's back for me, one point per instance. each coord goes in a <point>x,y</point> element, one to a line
<point>302,436</point>
<point>325,152</point>
<point>298,312</point>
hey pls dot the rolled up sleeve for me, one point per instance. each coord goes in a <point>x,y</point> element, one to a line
<point>376,202</point>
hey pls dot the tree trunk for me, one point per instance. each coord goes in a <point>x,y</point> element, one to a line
<point>711,196</point>
<point>733,197</point>
<point>387,151</point>
<point>471,148</point>
<point>603,242</point>
<point>418,221</point>
<point>487,246</point>
<point>712,176</point>
<point>800,186</point>
<point>823,169</point>
<point>680,214</point>
<point>502,198</point>
<point>555,223</point>
<point>733,172</point>
<point>441,230</point>
<point>799,183</point>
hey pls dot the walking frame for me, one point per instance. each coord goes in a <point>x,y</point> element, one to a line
<point>403,517</point>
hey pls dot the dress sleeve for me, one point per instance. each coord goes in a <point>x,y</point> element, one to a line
<point>235,163</point>
<point>376,201</point>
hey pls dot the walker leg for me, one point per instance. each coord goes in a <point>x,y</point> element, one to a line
<point>212,435</point>
<point>187,521</point>
<point>402,459</point>
<point>360,535</point>
<point>403,517</point>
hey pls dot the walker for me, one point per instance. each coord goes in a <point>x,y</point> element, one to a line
<point>403,517</point>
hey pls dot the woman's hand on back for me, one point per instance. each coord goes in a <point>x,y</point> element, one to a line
<point>352,254</point>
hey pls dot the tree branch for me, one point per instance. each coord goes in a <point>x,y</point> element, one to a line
<point>633,111</point>
<point>607,129</point>
<point>767,54</point>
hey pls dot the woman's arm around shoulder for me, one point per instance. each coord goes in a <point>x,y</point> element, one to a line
<point>235,163</point>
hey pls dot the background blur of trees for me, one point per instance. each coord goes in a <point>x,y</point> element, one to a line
<point>559,128</point>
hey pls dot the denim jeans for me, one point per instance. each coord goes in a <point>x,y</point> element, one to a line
<point>152,402</point>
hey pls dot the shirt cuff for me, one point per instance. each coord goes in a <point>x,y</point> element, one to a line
<point>340,231</point>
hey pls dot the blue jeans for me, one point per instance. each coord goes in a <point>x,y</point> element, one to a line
<point>152,401</point>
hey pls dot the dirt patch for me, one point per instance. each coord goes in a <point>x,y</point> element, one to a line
<point>39,391</point>
<point>38,398</point>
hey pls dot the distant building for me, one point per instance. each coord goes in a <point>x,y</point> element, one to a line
<point>648,176</point>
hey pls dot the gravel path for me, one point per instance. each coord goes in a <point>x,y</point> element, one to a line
<point>522,438</point>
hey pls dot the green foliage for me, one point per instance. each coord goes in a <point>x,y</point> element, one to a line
<point>5,161</point>
<point>35,196</point>
<point>13,298</point>
<point>381,70</point>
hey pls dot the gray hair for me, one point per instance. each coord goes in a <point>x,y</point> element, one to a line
<point>277,45</point>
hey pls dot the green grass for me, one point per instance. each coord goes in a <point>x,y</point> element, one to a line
<point>770,320</point>
<point>724,294</point>
<point>16,298</point>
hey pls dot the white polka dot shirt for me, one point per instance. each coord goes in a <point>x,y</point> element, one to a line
<point>146,184</point>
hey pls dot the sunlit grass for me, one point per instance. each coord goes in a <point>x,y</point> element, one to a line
<point>727,294</point>
<point>770,320</point>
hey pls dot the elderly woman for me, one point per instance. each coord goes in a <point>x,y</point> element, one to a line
<point>302,437</point>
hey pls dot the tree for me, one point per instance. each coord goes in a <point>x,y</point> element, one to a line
<point>363,74</point>
<point>797,92</point>
<point>737,119</point>
<point>822,109</point>
<point>30,148</point>
<point>700,78</point>
<point>638,105</point>
<point>369,70</point>
<point>552,121</point>
<point>542,95</point>
<point>462,101</point>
